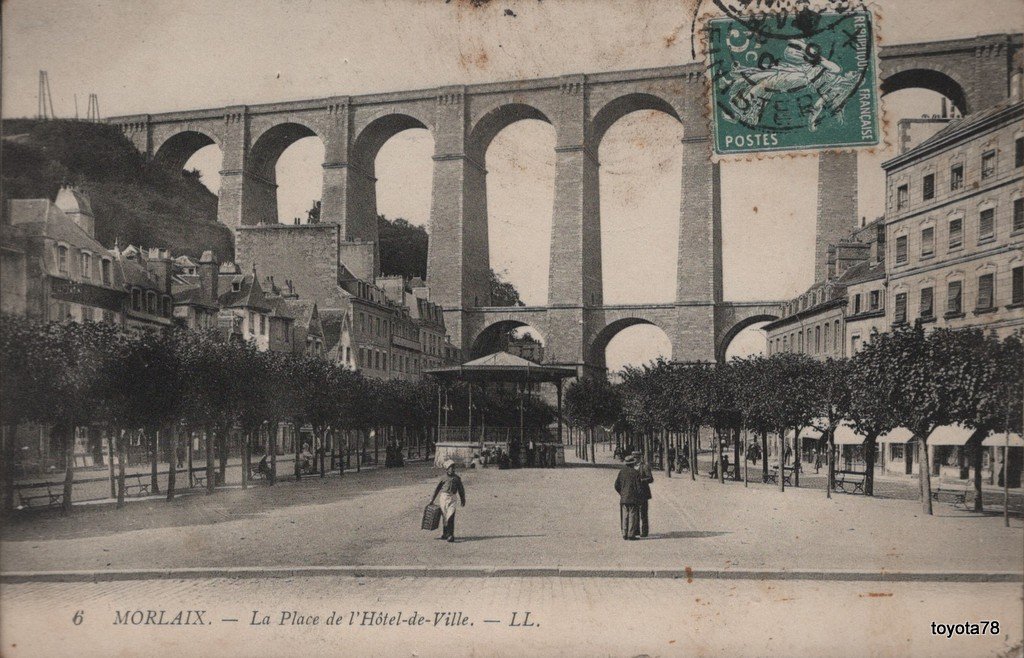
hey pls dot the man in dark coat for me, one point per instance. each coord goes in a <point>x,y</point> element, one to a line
<point>646,477</point>
<point>630,497</point>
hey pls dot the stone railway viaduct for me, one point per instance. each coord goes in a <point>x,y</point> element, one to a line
<point>575,323</point>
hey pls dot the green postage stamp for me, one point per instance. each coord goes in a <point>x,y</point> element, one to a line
<point>787,82</point>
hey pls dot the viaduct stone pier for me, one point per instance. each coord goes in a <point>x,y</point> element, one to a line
<point>973,73</point>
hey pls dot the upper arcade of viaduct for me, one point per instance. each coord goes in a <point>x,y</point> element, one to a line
<point>973,73</point>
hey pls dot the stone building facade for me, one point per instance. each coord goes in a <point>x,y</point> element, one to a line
<point>955,224</point>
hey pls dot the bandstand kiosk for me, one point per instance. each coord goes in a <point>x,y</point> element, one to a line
<point>461,443</point>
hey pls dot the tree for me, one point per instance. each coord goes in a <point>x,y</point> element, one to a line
<point>503,293</point>
<point>832,404</point>
<point>313,214</point>
<point>589,402</point>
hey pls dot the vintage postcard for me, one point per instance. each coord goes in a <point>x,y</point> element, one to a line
<point>512,328</point>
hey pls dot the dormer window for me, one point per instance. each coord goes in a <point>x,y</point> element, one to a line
<point>105,267</point>
<point>86,265</point>
<point>136,299</point>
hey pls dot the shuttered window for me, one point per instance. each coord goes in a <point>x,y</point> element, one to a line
<point>927,303</point>
<point>986,283</point>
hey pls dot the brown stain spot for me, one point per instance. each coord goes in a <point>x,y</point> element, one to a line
<point>670,40</point>
<point>755,210</point>
<point>479,59</point>
<point>876,595</point>
<point>689,576</point>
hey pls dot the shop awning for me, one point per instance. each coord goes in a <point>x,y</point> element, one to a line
<point>950,435</point>
<point>999,440</point>
<point>897,435</point>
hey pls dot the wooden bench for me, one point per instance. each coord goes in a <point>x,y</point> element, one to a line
<point>54,495</point>
<point>773,475</point>
<point>854,479</point>
<point>959,494</point>
<point>198,477</point>
<point>135,486</point>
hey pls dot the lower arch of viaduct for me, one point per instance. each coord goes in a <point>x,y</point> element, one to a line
<point>974,73</point>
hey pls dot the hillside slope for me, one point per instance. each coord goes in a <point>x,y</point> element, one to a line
<point>135,202</point>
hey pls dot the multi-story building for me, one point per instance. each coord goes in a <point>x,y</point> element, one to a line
<point>955,223</point>
<point>54,269</point>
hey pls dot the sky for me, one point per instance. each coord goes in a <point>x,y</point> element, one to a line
<point>144,56</point>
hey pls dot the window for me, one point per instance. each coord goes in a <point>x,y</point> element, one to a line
<point>928,242</point>
<point>151,303</point>
<point>1018,214</point>
<point>876,300</point>
<point>835,337</point>
<point>817,340</point>
<point>986,224</point>
<point>956,177</point>
<point>854,344</point>
<point>929,186</point>
<point>362,357</point>
<point>108,317</point>
<point>856,303</point>
<point>901,249</point>
<point>902,196</point>
<point>252,322</point>
<point>136,299</point>
<point>362,323</point>
<point>376,360</point>
<point>86,265</point>
<point>800,341</point>
<point>63,311</point>
<point>896,451</point>
<point>986,283</point>
<point>87,314</point>
<point>167,307</point>
<point>956,233</point>
<point>785,343</point>
<point>263,325</point>
<point>927,303</point>
<point>62,259</point>
<point>1017,287</point>
<point>954,298</point>
<point>826,336</point>
<point>105,267</point>
<point>1018,152</point>
<point>384,361</point>
<point>988,164</point>
<point>901,308</point>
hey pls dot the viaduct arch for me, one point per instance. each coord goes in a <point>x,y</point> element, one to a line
<point>974,73</point>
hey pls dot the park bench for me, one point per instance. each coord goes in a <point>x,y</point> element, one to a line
<point>54,496</point>
<point>854,479</point>
<point>773,475</point>
<point>198,477</point>
<point>134,485</point>
<point>958,493</point>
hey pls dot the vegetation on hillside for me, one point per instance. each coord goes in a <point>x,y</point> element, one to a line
<point>135,202</point>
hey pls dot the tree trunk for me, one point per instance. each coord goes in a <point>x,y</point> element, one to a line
<point>830,478</point>
<point>222,452</point>
<point>736,453</point>
<point>154,461</point>
<point>172,466</point>
<point>871,445</point>
<point>110,461</point>
<point>272,448</point>
<point>244,454</point>
<point>796,457</point>
<point>298,467</point>
<point>665,438</point>
<point>122,457</point>
<point>69,467</point>
<point>764,456</point>
<point>323,449</point>
<point>926,478</point>
<point>976,464</point>
<point>210,478</point>
<point>593,456</point>
<point>782,458</point>
<point>692,450</point>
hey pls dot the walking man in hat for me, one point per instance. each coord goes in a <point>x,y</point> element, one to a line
<point>627,484</point>
<point>447,489</point>
<point>646,477</point>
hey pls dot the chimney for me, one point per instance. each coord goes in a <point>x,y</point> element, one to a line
<point>879,243</point>
<point>208,275</point>
<point>830,263</point>
<point>160,266</point>
<point>75,204</point>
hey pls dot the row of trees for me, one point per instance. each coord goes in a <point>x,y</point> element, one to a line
<point>72,375</point>
<point>906,378</point>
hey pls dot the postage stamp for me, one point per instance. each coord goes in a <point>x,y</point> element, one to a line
<point>805,80</point>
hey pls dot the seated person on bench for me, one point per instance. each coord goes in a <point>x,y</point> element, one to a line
<point>263,468</point>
